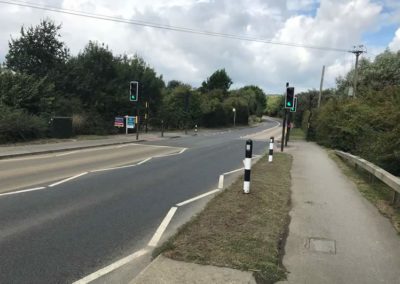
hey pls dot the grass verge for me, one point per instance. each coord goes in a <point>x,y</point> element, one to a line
<point>297,134</point>
<point>242,231</point>
<point>371,188</point>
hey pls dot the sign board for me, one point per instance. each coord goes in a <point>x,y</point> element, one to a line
<point>130,122</point>
<point>119,121</point>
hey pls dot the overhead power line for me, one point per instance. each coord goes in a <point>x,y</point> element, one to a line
<point>165,27</point>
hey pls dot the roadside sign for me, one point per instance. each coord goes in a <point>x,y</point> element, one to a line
<point>130,122</point>
<point>119,121</point>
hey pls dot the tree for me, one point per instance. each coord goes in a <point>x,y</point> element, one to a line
<point>38,51</point>
<point>218,80</point>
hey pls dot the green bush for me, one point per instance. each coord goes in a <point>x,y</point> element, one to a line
<point>18,125</point>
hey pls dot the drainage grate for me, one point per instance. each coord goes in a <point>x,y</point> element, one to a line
<point>321,245</point>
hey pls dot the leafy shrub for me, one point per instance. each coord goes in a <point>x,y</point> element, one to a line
<point>18,125</point>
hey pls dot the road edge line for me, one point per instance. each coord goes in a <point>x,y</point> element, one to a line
<point>163,226</point>
<point>105,270</point>
<point>68,179</point>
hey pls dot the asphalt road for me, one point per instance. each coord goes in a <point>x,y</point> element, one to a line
<point>63,233</point>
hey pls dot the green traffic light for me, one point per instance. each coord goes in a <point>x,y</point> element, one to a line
<point>289,104</point>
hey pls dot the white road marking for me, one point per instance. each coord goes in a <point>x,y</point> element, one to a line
<point>157,235</point>
<point>197,197</point>
<point>221,182</point>
<point>234,171</point>
<point>25,159</point>
<point>22,191</point>
<point>65,154</point>
<point>67,179</point>
<point>111,267</point>
<point>114,168</point>
<point>144,161</point>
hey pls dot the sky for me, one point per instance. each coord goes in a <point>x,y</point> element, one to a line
<point>191,58</point>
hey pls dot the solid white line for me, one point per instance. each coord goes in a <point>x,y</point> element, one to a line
<point>111,267</point>
<point>183,150</point>
<point>234,171</point>
<point>115,168</point>
<point>67,179</point>
<point>157,235</point>
<point>144,161</point>
<point>65,154</point>
<point>197,197</point>
<point>22,191</point>
<point>221,182</point>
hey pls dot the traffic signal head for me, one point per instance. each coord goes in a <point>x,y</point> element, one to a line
<point>289,98</point>
<point>294,108</point>
<point>133,91</point>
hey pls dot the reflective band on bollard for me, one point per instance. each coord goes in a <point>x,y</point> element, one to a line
<point>271,149</point>
<point>247,166</point>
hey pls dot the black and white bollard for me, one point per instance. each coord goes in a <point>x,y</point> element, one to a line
<point>271,149</point>
<point>195,129</point>
<point>247,166</point>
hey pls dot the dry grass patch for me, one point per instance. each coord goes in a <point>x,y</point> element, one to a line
<point>242,231</point>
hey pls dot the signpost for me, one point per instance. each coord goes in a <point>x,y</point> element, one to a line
<point>130,123</point>
<point>119,121</point>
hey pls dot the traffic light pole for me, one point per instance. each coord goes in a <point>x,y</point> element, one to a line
<point>283,130</point>
<point>288,128</point>
<point>138,120</point>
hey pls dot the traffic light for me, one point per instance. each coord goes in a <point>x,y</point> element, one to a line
<point>134,91</point>
<point>294,108</point>
<point>289,98</point>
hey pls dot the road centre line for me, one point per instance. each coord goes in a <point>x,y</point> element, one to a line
<point>22,191</point>
<point>197,197</point>
<point>111,267</point>
<point>160,230</point>
<point>68,179</point>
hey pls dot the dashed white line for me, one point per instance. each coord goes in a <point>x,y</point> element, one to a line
<point>197,197</point>
<point>22,191</point>
<point>67,179</point>
<point>111,267</point>
<point>160,230</point>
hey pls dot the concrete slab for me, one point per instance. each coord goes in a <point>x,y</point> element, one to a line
<point>164,270</point>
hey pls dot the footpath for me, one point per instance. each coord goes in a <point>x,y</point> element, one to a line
<point>335,234</point>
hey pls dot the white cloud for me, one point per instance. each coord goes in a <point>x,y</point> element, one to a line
<point>191,58</point>
<point>394,45</point>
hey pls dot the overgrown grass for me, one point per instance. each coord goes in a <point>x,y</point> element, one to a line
<point>242,231</point>
<point>371,188</point>
<point>297,134</point>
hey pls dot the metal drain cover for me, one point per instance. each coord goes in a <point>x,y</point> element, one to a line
<point>322,245</point>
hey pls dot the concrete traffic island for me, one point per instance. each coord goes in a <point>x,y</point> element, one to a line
<point>237,238</point>
<point>166,270</point>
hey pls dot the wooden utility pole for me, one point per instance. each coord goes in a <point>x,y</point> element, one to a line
<point>321,85</point>
<point>358,50</point>
<point>284,122</point>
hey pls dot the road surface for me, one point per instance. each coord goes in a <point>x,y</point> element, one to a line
<point>62,232</point>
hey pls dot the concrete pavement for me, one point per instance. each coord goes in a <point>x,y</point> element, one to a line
<point>335,234</point>
<point>164,270</point>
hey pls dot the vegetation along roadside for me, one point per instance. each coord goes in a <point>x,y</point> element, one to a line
<point>245,232</point>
